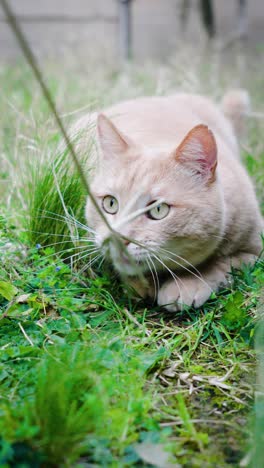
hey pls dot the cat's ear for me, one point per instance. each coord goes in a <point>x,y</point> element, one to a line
<point>198,151</point>
<point>112,141</point>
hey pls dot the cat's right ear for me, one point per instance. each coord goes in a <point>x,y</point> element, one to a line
<point>198,152</point>
<point>112,141</point>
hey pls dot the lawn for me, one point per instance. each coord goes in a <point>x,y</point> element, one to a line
<point>89,374</point>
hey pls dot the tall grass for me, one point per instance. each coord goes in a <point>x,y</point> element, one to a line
<point>56,197</point>
<point>82,399</point>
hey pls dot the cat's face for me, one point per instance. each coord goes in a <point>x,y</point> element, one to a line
<point>183,227</point>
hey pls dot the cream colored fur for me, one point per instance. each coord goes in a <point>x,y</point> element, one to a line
<point>142,154</point>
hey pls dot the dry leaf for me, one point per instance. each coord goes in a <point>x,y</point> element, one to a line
<point>155,455</point>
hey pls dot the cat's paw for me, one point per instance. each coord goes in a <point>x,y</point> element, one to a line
<point>187,291</point>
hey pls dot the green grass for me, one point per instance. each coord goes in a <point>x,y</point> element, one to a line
<point>90,375</point>
<point>59,199</point>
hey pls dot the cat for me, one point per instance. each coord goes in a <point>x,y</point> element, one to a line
<point>167,173</point>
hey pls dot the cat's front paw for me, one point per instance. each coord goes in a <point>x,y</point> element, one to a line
<point>187,291</point>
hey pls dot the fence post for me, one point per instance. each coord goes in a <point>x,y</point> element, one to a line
<point>243,18</point>
<point>125,32</point>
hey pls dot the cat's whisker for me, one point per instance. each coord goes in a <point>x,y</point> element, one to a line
<point>53,244</point>
<point>87,255</point>
<point>66,211</point>
<point>56,235</point>
<point>62,220</point>
<point>101,262</point>
<point>74,239</point>
<point>83,250</point>
<point>87,252</point>
<point>70,218</point>
<point>73,235</point>
<point>155,270</point>
<point>83,226</point>
<point>55,254</point>
<point>154,275</point>
<point>199,277</point>
<point>173,273</point>
<point>174,276</point>
<point>166,252</point>
<point>88,265</point>
<point>180,258</point>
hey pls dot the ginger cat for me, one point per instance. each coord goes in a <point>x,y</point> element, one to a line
<point>181,152</point>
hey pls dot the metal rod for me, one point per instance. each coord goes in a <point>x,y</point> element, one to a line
<point>125,29</point>
<point>208,19</point>
<point>243,18</point>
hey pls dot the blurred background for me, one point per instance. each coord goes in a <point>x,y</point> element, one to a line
<point>140,28</point>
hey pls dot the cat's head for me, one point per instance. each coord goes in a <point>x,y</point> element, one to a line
<point>184,227</point>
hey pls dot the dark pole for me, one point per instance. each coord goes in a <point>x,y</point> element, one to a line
<point>125,32</point>
<point>242,18</point>
<point>207,12</point>
<point>185,13</point>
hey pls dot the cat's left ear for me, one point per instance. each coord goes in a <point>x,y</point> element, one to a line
<point>198,152</point>
<point>112,141</point>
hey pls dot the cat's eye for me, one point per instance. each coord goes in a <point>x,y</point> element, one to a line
<point>110,204</point>
<point>159,212</point>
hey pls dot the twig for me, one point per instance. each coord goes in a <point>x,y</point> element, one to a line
<point>135,321</point>
<point>219,422</point>
<point>22,41</point>
<point>114,236</point>
<point>25,334</point>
